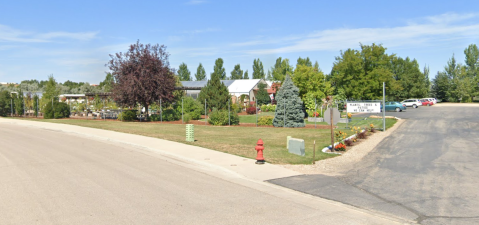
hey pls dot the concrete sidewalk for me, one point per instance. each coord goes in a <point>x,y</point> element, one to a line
<point>233,168</point>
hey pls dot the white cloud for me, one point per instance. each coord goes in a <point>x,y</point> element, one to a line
<point>79,62</point>
<point>8,34</point>
<point>451,17</point>
<point>82,36</point>
<point>435,30</point>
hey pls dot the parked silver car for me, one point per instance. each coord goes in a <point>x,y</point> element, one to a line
<point>412,102</point>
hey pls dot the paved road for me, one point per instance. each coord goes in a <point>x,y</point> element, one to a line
<point>427,171</point>
<point>49,176</point>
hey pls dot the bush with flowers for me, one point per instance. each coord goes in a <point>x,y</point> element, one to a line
<point>371,128</point>
<point>350,115</point>
<point>340,135</point>
<point>340,147</point>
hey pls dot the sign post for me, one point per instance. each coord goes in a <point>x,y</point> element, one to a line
<point>331,116</point>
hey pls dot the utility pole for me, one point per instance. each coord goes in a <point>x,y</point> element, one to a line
<point>332,129</point>
<point>384,106</point>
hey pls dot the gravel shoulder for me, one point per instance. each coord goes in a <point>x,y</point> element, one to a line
<point>341,164</point>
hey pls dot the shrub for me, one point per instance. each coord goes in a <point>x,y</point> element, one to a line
<point>265,120</point>
<point>220,118</point>
<point>264,108</point>
<point>192,107</point>
<point>60,110</point>
<point>127,115</point>
<point>236,108</point>
<point>251,110</point>
<point>186,117</point>
<point>362,135</point>
<point>271,108</point>
<point>339,135</point>
<point>171,115</point>
<point>155,117</point>
<point>340,147</point>
<point>348,142</point>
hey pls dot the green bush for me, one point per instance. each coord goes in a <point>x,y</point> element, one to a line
<point>236,108</point>
<point>265,120</point>
<point>271,108</point>
<point>155,117</point>
<point>193,107</point>
<point>264,108</point>
<point>60,110</point>
<point>220,118</point>
<point>127,115</point>
<point>186,118</point>
<point>171,115</point>
<point>268,108</point>
<point>5,103</point>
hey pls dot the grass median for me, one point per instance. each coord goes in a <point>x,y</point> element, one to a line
<point>234,140</point>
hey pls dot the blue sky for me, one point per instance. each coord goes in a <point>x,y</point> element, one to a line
<point>73,39</point>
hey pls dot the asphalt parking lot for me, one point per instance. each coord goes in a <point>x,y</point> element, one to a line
<point>427,171</point>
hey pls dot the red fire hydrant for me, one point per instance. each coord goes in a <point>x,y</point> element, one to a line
<point>259,147</point>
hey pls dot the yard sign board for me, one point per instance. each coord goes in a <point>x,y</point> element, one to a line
<point>368,107</point>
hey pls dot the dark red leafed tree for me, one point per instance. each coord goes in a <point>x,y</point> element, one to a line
<point>142,75</point>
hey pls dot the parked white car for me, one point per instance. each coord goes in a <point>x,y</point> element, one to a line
<point>412,103</point>
<point>433,100</point>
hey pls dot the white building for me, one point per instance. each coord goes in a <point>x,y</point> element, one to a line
<point>236,88</point>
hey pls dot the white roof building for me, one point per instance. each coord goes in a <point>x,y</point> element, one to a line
<point>235,87</point>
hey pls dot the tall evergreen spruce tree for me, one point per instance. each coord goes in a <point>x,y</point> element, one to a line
<point>289,103</point>
<point>216,94</point>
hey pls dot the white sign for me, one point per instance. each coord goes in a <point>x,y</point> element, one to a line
<point>368,107</point>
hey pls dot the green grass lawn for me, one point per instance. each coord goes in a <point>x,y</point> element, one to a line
<point>233,140</point>
<point>252,118</point>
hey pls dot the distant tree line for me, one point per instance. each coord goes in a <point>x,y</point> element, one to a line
<point>458,82</point>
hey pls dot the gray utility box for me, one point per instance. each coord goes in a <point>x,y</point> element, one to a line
<point>296,146</point>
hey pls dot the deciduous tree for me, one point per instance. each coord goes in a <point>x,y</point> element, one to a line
<point>142,75</point>
<point>5,103</point>
<point>219,70</point>
<point>304,62</point>
<point>310,80</point>
<point>280,69</point>
<point>200,73</point>
<point>360,74</point>
<point>236,73</point>
<point>106,85</point>
<point>184,73</point>
<point>246,76</point>
<point>258,70</point>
